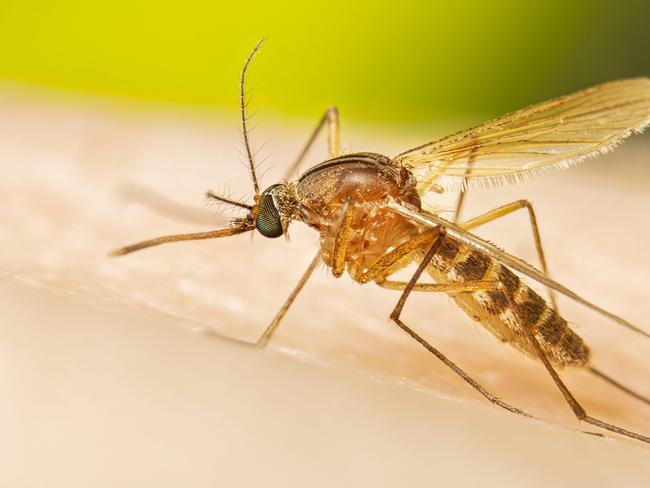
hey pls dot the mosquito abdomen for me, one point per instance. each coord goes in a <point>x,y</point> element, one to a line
<point>510,311</point>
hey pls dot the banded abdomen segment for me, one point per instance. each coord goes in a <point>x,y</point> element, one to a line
<point>507,312</point>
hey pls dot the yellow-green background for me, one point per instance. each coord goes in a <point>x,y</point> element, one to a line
<point>385,61</point>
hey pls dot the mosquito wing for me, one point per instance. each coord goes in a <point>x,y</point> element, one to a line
<point>557,133</point>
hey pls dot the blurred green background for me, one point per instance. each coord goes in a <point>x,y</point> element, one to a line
<point>378,61</point>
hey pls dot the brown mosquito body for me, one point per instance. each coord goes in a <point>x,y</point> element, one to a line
<point>368,210</point>
<point>348,195</point>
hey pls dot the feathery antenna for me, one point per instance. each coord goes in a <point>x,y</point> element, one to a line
<point>234,203</point>
<point>242,105</point>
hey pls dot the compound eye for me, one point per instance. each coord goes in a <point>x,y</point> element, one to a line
<point>268,220</point>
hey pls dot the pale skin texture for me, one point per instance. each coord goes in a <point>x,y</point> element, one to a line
<point>95,350</point>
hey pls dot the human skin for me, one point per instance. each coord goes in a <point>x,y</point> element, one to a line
<point>121,370</point>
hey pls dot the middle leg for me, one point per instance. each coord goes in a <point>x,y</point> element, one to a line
<point>272,327</point>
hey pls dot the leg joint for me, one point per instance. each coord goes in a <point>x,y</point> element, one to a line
<point>525,203</point>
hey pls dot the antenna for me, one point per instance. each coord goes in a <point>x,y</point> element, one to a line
<point>242,105</point>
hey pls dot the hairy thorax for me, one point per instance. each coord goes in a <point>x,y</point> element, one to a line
<point>365,181</point>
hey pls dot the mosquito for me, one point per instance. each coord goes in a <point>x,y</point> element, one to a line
<point>368,210</point>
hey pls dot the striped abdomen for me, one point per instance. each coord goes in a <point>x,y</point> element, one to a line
<point>507,312</point>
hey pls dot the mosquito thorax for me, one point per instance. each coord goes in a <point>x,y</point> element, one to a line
<point>269,219</point>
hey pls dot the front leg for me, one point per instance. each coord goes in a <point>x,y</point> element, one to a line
<point>331,120</point>
<point>272,327</point>
<point>385,263</point>
<point>341,240</point>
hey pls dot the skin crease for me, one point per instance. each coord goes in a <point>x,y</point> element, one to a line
<point>102,364</point>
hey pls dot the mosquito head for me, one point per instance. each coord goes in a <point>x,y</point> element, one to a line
<point>274,211</point>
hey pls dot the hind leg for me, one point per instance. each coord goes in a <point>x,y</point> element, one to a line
<point>577,409</point>
<point>507,209</point>
<point>395,317</point>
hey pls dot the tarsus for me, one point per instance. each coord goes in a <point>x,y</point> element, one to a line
<point>615,383</point>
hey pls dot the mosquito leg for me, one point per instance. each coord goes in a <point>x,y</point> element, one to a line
<point>616,384</point>
<point>578,410</point>
<point>451,287</point>
<point>464,189</point>
<point>395,316</point>
<point>455,287</point>
<point>331,119</point>
<point>272,327</point>
<point>385,265</point>
<point>507,209</point>
<point>341,240</point>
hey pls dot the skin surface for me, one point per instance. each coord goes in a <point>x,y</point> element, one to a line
<point>114,370</point>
